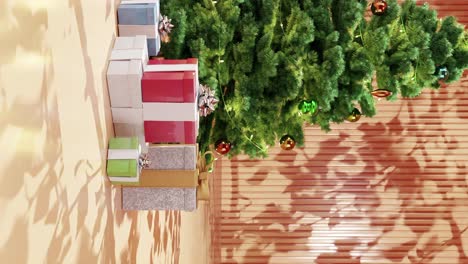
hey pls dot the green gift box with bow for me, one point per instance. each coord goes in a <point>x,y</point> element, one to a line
<point>123,161</point>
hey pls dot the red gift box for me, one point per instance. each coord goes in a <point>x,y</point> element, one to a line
<point>170,81</point>
<point>164,61</point>
<point>176,82</point>
<point>168,87</point>
<point>182,132</point>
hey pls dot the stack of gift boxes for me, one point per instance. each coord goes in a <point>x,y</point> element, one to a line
<point>154,105</point>
<point>140,17</point>
<point>128,58</point>
<point>170,118</point>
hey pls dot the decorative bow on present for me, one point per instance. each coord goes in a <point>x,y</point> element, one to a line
<point>204,168</point>
<point>165,27</point>
<point>206,100</point>
<point>144,161</point>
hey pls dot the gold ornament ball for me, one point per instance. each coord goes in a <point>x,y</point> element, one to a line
<point>354,116</point>
<point>287,142</point>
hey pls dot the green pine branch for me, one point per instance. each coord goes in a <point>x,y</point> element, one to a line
<point>264,57</point>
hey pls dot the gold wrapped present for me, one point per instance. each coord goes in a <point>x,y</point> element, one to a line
<point>205,169</point>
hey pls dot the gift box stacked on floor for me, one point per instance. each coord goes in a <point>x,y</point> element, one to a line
<point>123,161</point>
<point>157,102</point>
<point>140,18</point>
<point>168,183</point>
<point>130,48</point>
<point>143,198</point>
<point>128,58</point>
<point>170,101</point>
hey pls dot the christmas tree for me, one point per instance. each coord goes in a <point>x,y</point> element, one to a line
<point>277,64</point>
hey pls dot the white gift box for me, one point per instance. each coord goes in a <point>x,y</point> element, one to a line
<point>129,54</point>
<point>126,2</point>
<point>127,115</point>
<point>150,31</point>
<point>124,83</point>
<point>135,42</point>
<point>132,130</point>
<point>131,48</point>
<point>128,122</point>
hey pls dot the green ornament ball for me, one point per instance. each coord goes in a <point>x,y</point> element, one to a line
<point>308,106</point>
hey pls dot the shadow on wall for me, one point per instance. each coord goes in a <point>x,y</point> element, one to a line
<point>29,117</point>
<point>29,26</point>
<point>40,176</point>
<point>390,191</point>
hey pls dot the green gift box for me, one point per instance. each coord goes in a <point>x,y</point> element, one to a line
<point>124,143</point>
<point>122,161</point>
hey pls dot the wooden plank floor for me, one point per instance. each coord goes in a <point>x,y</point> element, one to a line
<point>56,204</point>
<point>387,189</point>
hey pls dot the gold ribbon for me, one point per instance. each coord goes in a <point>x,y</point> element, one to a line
<point>205,168</point>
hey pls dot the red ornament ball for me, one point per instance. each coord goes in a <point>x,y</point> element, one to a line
<point>379,7</point>
<point>287,142</point>
<point>223,146</point>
